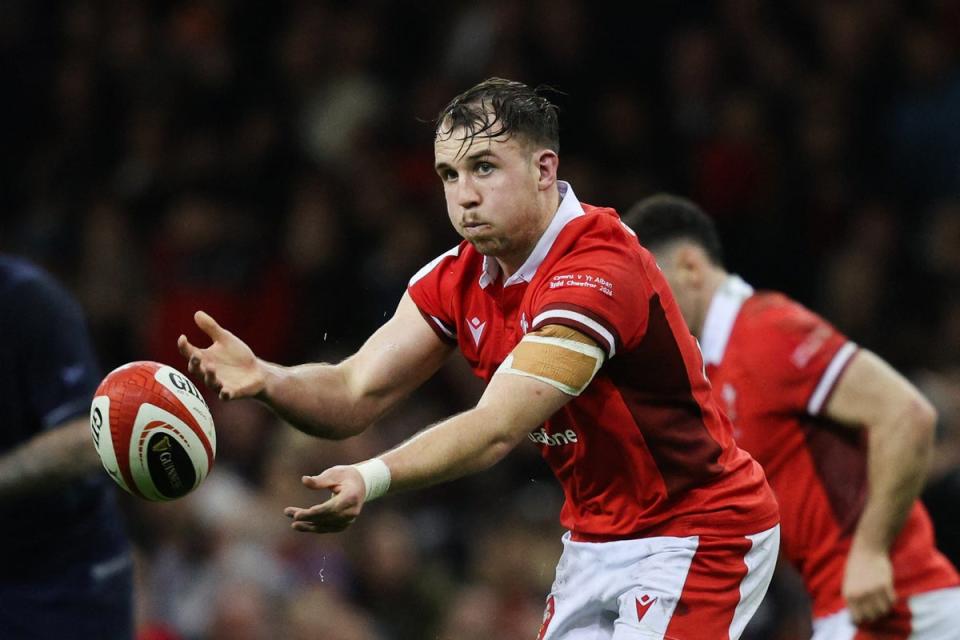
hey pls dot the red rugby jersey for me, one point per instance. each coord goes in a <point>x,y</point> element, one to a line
<point>773,365</point>
<point>644,450</point>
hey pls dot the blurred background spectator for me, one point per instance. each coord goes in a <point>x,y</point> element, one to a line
<point>272,163</point>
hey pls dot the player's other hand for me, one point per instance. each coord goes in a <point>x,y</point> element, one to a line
<point>336,514</point>
<point>228,366</point>
<point>868,584</point>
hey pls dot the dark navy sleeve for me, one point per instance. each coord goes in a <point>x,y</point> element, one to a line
<point>59,369</point>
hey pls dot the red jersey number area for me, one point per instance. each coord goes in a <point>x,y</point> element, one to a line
<point>643,450</point>
<point>777,370</point>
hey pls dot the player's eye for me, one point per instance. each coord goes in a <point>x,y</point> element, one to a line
<point>448,175</point>
<point>484,168</point>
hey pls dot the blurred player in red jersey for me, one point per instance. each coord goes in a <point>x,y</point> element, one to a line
<point>673,531</point>
<point>843,437</point>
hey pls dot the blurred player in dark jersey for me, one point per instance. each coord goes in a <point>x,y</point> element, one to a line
<point>65,565</point>
<point>672,528</point>
<point>843,437</point>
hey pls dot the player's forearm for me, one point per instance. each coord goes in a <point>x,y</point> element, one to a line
<point>459,446</point>
<point>318,399</point>
<point>48,461</point>
<point>897,461</point>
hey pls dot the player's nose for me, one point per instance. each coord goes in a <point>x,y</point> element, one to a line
<point>468,196</point>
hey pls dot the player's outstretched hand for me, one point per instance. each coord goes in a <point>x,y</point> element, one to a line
<point>868,585</point>
<point>337,513</point>
<point>228,366</point>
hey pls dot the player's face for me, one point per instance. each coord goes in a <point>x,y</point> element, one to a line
<point>491,186</point>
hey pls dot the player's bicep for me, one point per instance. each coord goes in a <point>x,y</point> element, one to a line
<point>518,404</point>
<point>559,356</point>
<point>400,356</point>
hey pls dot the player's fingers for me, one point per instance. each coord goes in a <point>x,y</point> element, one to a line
<point>858,611</point>
<point>211,381</point>
<point>870,607</point>
<point>317,482</point>
<point>857,604</point>
<point>193,365</point>
<point>884,604</point>
<point>890,596</point>
<point>318,511</point>
<point>191,353</point>
<point>186,349</point>
<point>872,611</point>
<point>326,527</point>
<point>209,326</point>
<point>880,602</point>
<point>209,373</point>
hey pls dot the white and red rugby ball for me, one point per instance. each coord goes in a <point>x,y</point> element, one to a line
<point>153,430</point>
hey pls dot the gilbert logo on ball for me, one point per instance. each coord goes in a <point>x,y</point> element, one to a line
<point>153,430</point>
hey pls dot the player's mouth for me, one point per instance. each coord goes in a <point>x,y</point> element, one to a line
<point>473,228</point>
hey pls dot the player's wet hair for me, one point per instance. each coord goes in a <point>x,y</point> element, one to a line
<point>664,218</point>
<point>498,107</point>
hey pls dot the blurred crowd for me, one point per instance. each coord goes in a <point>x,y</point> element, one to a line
<point>271,163</point>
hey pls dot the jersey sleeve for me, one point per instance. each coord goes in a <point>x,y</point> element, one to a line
<point>598,290</point>
<point>799,357</point>
<point>59,366</point>
<point>427,292</point>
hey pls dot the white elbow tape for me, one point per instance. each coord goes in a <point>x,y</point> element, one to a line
<point>376,477</point>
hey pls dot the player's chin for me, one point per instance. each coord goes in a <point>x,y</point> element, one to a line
<point>486,245</point>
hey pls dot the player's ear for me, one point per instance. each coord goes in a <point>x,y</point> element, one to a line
<point>690,262</point>
<point>547,163</point>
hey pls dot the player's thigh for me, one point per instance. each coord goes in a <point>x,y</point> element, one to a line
<point>575,609</point>
<point>592,578</point>
<point>725,583</point>
<point>572,621</point>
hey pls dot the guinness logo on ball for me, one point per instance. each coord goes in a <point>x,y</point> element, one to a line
<point>170,466</point>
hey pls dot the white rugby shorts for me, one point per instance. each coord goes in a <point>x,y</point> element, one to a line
<point>692,588</point>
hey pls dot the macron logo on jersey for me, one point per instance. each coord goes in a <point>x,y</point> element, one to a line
<point>644,602</point>
<point>476,329</point>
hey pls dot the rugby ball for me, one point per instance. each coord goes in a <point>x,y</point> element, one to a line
<point>153,431</point>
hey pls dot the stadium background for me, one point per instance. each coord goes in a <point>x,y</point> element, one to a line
<point>271,163</point>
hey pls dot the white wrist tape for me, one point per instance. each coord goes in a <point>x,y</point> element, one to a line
<point>376,477</point>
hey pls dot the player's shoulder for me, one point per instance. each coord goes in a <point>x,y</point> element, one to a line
<point>15,271</point>
<point>772,327</point>
<point>27,282</point>
<point>603,220</point>
<point>451,263</point>
<point>40,300</point>
<point>772,311</point>
<point>600,230</point>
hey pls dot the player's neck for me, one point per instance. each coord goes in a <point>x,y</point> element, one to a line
<point>712,281</point>
<point>510,263</point>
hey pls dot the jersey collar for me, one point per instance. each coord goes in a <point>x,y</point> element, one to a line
<point>721,315</point>
<point>569,209</point>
